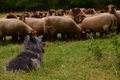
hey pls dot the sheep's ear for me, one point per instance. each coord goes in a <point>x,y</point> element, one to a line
<point>32,38</point>
<point>106,7</point>
<point>114,7</point>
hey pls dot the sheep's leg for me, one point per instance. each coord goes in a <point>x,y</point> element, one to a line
<point>107,32</point>
<point>54,36</point>
<point>21,38</point>
<point>14,38</point>
<point>102,34</point>
<point>1,35</point>
<point>44,38</point>
<point>71,36</point>
<point>1,38</point>
<point>62,36</point>
<point>106,29</point>
<point>94,34</point>
<point>4,38</point>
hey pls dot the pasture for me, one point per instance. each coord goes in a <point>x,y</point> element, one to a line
<point>92,59</point>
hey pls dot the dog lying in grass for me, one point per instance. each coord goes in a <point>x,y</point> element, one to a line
<point>31,56</point>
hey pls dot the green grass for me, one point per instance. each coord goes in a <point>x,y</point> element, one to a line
<point>66,61</point>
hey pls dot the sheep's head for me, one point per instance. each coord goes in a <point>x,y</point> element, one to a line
<point>79,18</point>
<point>27,14</point>
<point>102,11</point>
<point>111,8</point>
<point>11,16</point>
<point>52,11</point>
<point>59,12</point>
<point>43,14</point>
<point>76,10</point>
<point>37,14</point>
<point>66,12</point>
<point>33,32</point>
<point>22,18</point>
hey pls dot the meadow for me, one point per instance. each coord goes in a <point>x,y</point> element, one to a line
<point>92,59</point>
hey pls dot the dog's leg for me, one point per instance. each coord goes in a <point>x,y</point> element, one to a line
<point>6,68</point>
<point>35,63</point>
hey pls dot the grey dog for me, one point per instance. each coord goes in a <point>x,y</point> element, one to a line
<point>31,56</point>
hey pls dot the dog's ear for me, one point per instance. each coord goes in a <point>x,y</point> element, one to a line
<point>32,38</point>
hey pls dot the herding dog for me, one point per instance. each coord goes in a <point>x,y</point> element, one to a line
<point>31,56</point>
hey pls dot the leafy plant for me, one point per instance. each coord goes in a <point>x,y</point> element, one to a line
<point>95,49</point>
<point>116,45</point>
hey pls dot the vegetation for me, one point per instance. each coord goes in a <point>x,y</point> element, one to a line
<point>67,61</point>
<point>92,59</point>
<point>32,5</point>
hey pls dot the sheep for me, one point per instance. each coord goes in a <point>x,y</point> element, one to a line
<point>79,18</point>
<point>112,9</point>
<point>14,28</point>
<point>59,12</point>
<point>89,12</point>
<point>97,23</point>
<point>9,16</point>
<point>66,12</point>
<point>43,14</point>
<point>102,11</point>
<point>36,14</point>
<point>50,12</point>
<point>36,24</point>
<point>57,24</point>
<point>26,14</point>
<point>72,13</point>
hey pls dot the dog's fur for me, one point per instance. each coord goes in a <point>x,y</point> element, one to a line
<point>31,56</point>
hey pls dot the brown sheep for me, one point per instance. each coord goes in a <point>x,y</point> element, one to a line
<point>72,13</point>
<point>14,27</point>
<point>79,18</point>
<point>9,16</point>
<point>112,9</point>
<point>43,14</point>
<point>66,12</point>
<point>50,12</point>
<point>102,11</point>
<point>83,9</point>
<point>97,23</point>
<point>36,14</point>
<point>57,24</point>
<point>26,14</point>
<point>59,12</point>
<point>36,24</point>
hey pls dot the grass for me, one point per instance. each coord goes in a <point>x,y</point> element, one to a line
<point>67,61</point>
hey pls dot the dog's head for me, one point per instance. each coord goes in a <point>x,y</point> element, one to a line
<point>33,43</point>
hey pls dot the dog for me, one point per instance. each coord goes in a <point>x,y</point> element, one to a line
<point>31,56</point>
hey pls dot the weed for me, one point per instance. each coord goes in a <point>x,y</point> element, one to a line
<point>116,44</point>
<point>97,52</point>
